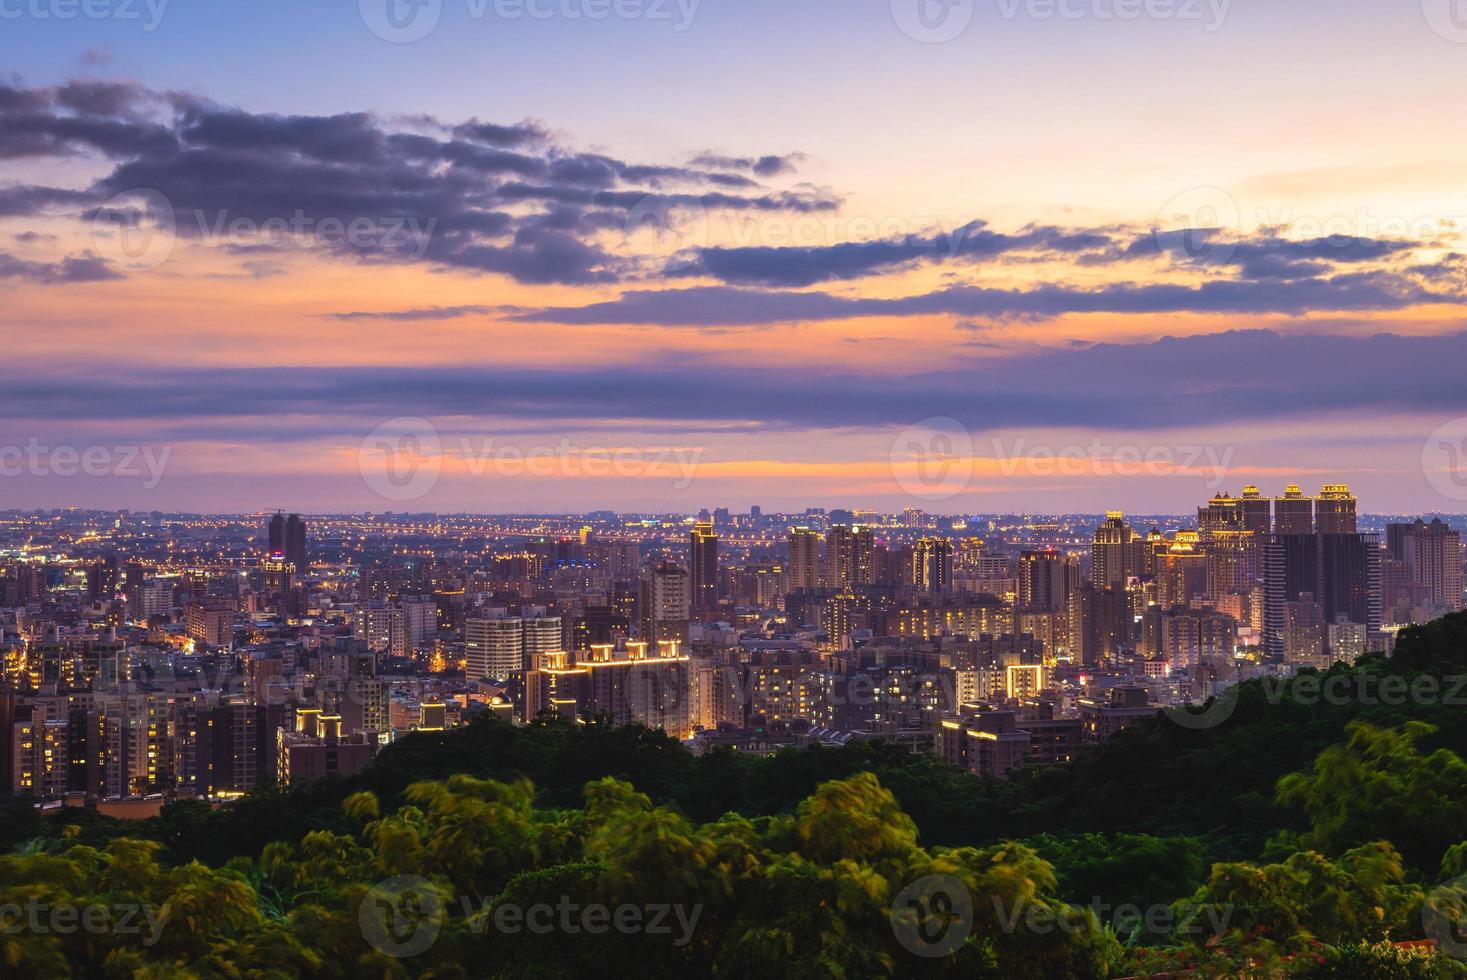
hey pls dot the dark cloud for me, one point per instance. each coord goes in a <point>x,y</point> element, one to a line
<point>805,266</point>
<point>480,196</point>
<point>1238,376</point>
<point>83,268</point>
<point>722,306</point>
<point>765,166</point>
<point>515,134</point>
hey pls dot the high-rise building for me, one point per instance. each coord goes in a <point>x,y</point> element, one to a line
<point>1232,563</point>
<point>1181,571</point>
<point>1046,580</point>
<point>500,646</point>
<point>288,538</point>
<point>1293,513</point>
<point>494,647</point>
<point>840,556</point>
<point>1334,510</point>
<point>1222,513</point>
<point>1115,553</point>
<point>932,565</point>
<point>803,568</point>
<point>703,553</point>
<point>664,604</point>
<point>1433,556</point>
<point>1257,512</point>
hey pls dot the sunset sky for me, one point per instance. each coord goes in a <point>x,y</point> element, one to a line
<point>775,252</point>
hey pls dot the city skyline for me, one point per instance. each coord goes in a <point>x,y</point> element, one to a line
<point>245,276</point>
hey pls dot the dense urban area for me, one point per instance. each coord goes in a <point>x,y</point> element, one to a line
<point>152,656</point>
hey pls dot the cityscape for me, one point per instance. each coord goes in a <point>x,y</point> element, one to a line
<point>745,489</point>
<point>152,657</point>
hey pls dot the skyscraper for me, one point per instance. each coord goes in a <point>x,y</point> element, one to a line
<point>1256,512</point>
<point>932,564</point>
<point>1293,513</point>
<point>840,556</point>
<point>665,602</point>
<point>288,538</point>
<point>1115,552</point>
<point>1046,580</point>
<point>1334,510</point>
<point>703,562</point>
<point>803,571</point>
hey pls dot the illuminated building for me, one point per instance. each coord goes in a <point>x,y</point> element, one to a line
<point>932,565</point>
<point>1256,509</point>
<point>1334,510</point>
<point>1046,580</point>
<point>1293,513</point>
<point>703,553</point>
<point>665,603</point>
<point>628,686</point>
<point>1433,556</point>
<point>1115,553</point>
<point>803,569</point>
<point>287,537</point>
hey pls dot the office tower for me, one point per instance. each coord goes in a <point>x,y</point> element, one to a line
<point>932,565</point>
<point>500,646</point>
<point>840,557</point>
<point>665,602</point>
<point>703,549</point>
<point>1046,580</point>
<point>1293,513</point>
<point>494,647</point>
<point>1257,512</point>
<point>1342,572</point>
<point>288,539</point>
<point>756,513</point>
<point>1115,553</point>
<point>1349,578</point>
<point>803,569</point>
<point>1433,556</point>
<point>1334,510</point>
<point>541,634</point>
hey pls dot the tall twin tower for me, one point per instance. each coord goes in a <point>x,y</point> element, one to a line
<point>288,540</point>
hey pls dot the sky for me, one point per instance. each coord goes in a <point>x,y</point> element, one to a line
<point>972,256</point>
